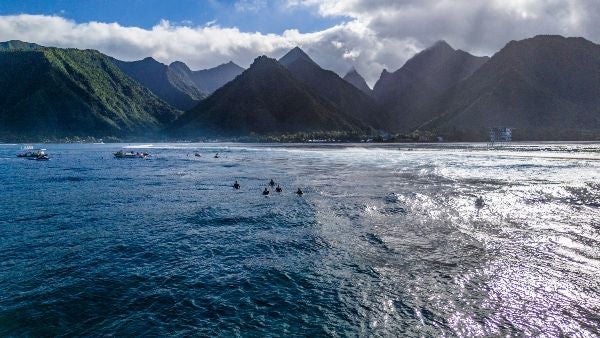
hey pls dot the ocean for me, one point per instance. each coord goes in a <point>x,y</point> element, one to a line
<point>385,241</point>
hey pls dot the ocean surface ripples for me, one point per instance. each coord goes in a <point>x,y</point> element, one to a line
<point>386,241</point>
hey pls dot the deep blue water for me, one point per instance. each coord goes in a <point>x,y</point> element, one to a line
<point>386,241</point>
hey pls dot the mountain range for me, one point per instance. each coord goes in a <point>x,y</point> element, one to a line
<point>170,83</point>
<point>425,76</point>
<point>52,92</point>
<point>332,87</point>
<point>355,79</point>
<point>266,98</point>
<point>209,80</point>
<point>176,84</point>
<point>545,87</point>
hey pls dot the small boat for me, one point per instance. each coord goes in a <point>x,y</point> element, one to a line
<point>34,154</point>
<point>130,154</point>
<point>30,152</point>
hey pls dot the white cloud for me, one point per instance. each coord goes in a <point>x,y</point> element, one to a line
<point>376,34</point>
<point>201,47</point>
<point>208,45</point>
<point>481,26</point>
<point>250,5</point>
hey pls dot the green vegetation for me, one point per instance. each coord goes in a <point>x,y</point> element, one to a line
<point>13,45</point>
<point>545,88</point>
<point>331,136</point>
<point>53,93</point>
<point>172,84</point>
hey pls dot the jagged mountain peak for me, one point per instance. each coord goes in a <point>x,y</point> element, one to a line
<point>263,60</point>
<point>352,71</point>
<point>211,79</point>
<point>355,79</point>
<point>294,55</point>
<point>150,59</point>
<point>266,98</point>
<point>229,65</point>
<point>441,45</point>
<point>427,74</point>
<point>170,83</point>
<point>179,64</point>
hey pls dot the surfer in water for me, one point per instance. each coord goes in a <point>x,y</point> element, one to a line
<point>272,183</point>
<point>236,185</point>
<point>299,192</point>
<point>479,202</point>
<point>266,192</point>
<point>278,189</point>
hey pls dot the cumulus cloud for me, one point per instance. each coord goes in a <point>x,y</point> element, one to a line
<point>200,47</point>
<point>480,26</point>
<point>209,45</point>
<point>372,34</point>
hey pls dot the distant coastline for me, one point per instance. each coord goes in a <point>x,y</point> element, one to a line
<point>416,137</point>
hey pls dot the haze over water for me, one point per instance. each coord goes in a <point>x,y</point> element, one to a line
<point>386,241</point>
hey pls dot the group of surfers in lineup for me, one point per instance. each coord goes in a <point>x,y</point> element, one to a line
<point>479,202</point>
<point>266,192</point>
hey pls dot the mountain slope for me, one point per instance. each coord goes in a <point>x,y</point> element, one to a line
<point>355,79</point>
<point>548,87</point>
<point>171,83</point>
<point>422,78</point>
<point>209,80</point>
<point>333,88</point>
<point>14,45</point>
<point>180,76</point>
<point>55,92</point>
<point>295,54</point>
<point>265,98</point>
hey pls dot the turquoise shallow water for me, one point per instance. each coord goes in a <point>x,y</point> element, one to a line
<point>386,241</point>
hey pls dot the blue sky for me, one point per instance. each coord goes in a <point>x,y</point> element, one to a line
<point>265,16</point>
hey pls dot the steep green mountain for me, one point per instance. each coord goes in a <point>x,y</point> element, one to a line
<point>14,45</point>
<point>173,84</point>
<point>182,77</point>
<point>209,80</point>
<point>355,79</point>
<point>53,93</point>
<point>266,98</point>
<point>328,85</point>
<point>422,78</point>
<point>547,87</point>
